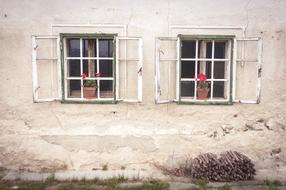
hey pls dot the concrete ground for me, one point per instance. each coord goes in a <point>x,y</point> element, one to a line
<point>134,177</point>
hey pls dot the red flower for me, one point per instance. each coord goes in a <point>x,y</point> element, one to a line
<point>98,74</point>
<point>202,77</point>
<point>83,75</point>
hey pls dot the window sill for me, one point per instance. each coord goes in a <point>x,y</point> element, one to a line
<point>204,102</point>
<point>89,101</point>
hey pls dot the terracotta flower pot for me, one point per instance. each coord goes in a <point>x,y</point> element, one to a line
<point>89,92</point>
<point>202,93</point>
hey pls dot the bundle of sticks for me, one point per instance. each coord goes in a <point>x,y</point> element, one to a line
<point>229,166</point>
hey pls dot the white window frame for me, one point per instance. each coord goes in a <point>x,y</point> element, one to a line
<point>35,75</point>
<point>243,61</point>
<point>139,61</point>
<point>158,63</point>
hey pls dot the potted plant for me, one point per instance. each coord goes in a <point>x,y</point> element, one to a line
<point>89,87</point>
<point>203,87</point>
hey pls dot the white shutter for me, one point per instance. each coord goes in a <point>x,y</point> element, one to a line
<point>247,70</point>
<point>46,68</point>
<point>129,59</point>
<point>167,69</point>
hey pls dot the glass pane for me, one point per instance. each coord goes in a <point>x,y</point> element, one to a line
<point>208,69</point>
<point>219,70</point>
<point>90,67</point>
<point>188,69</point>
<point>74,68</point>
<point>73,47</point>
<point>209,48</point>
<point>187,88</point>
<point>219,89</point>
<point>105,48</point>
<point>106,68</point>
<point>106,89</point>
<point>205,49</point>
<point>188,49</point>
<point>89,47</point>
<point>219,52</point>
<point>73,87</point>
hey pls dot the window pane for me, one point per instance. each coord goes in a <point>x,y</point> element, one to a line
<point>73,68</point>
<point>205,49</point>
<point>219,52</point>
<point>219,69</point>
<point>106,89</point>
<point>188,69</point>
<point>219,88</point>
<point>187,88</point>
<point>209,48</point>
<point>106,48</point>
<point>90,67</point>
<point>188,49</point>
<point>73,49</point>
<point>106,68</point>
<point>89,48</point>
<point>208,69</point>
<point>73,87</point>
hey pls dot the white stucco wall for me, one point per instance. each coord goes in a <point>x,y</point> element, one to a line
<point>52,136</point>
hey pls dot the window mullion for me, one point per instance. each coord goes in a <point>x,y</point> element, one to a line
<point>81,68</point>
<point>212,70</point>
<point>65,69</point>
<point>228,70</point>
<point>196,70</point>
<point>97,65</point>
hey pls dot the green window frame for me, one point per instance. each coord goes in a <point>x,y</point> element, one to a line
<point>82,97</point>
<point>186,83</point>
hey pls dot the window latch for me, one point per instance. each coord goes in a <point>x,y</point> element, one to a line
<point>140,71</point>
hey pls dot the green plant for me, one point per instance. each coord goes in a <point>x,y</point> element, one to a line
<point>155,185</point>
<point>83,180</point>
<point>225,187</point>
<point>272,185</point>
<point>50,179</point>
<point>72,186</point>
<point>202,184</point>
<point>89,83</point>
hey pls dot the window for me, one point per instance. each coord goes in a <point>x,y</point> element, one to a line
<point>89,68</point>
<point>231,66</point>
<point>210,57</point>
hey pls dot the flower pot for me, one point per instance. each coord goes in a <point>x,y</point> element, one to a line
<point>89,92</point>
<point>202,93</point>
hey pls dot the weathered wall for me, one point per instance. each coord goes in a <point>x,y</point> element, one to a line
<point>82,137</point>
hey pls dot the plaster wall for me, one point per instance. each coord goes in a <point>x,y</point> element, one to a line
<point>55,136</point>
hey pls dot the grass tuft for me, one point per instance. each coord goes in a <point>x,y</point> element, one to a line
<point>272,185</point>
<point>225,187</point>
